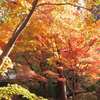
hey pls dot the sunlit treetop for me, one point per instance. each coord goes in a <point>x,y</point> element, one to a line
<point>48,19</point>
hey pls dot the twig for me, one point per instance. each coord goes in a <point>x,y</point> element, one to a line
<point>27,61</point>
<point>65,3</point>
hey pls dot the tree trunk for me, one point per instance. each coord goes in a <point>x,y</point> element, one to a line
<point>98,92</point>
<point>62,95</point>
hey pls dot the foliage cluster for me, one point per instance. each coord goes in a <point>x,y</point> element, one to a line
<point>61,39</point>
<point>14,89</point>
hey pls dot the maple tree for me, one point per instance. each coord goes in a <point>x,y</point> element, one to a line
<point>49,35</point>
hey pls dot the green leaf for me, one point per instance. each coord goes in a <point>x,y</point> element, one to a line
<point>14,89</point>
<point>97,2</point>
<point>2,1</point>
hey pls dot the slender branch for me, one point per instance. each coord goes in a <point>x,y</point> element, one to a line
<point>17,32</point>
<point>65,3</point>
<point>78,92</point>
<point>30,65</point>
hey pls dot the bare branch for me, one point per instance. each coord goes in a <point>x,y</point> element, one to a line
<point>65,3</point>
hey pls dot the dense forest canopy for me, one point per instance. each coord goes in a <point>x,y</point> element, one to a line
<point>51,18</point>
<point>58,18</point>
<point>63,19</point>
